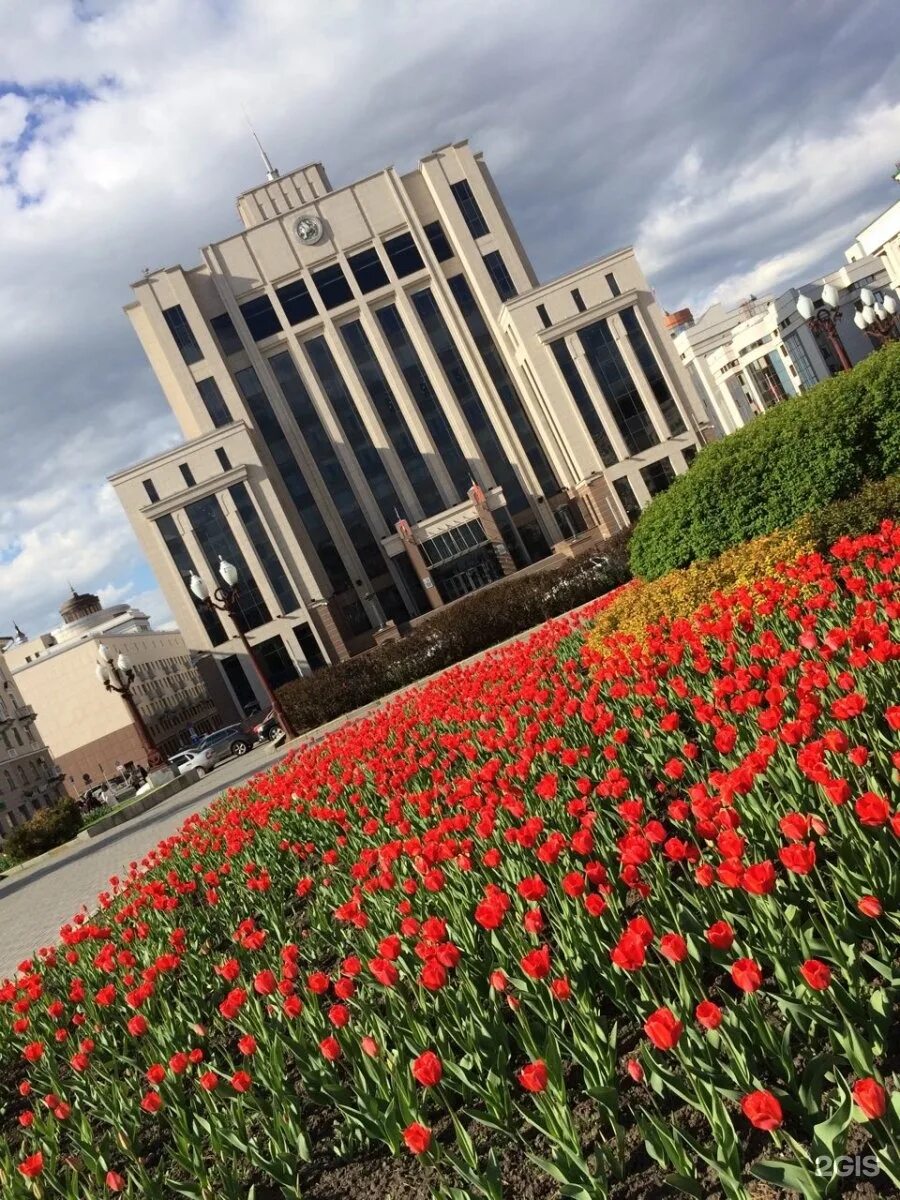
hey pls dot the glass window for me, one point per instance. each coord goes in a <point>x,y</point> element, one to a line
<point>501,380</point>
<point>584,403</point>
<point>500,277</point>
<point>469,208</point>
<point>355,617</point>
<point>262,544</point>
<point>544,315</point>
<point>324,455</point>
<point>658,476</point>
<point>296,301</point>
<point>307,642</point>
<point>579,301</point>
<point>626,495</point>
<point>424,395</point>
<point>469,401</point>
<point>434,231</point>
<point>689,453</point>
<point>368,270</point>
<point>332,285</point>
<point>215,405</point>
<point>150,489</point>
<point>182,333</point>
<point>226,334</point>
<point>294,480</point>
<point>224,461</point>
<point>217,541</point>
<point>261,317</point>
<point>355,433</point>
<point>240,684</point>
<point>391,417</point>
<point>187,474</point>
<point>404,255</point>
<point>625,403</point>
<point>613,284</point>
<point>801,360</point>
<point>184,564</point>
<point>652,370</point>
<point>276,662</point>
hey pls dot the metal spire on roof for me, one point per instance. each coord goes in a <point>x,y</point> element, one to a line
<point>272,173</point>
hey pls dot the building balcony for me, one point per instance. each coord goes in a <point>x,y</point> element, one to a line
<point>24,712</point>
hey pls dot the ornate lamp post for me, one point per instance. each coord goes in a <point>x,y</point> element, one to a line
<point>118,675</point>
<point>823,318</point>
<point>224,599</point>
<point>875,315</point>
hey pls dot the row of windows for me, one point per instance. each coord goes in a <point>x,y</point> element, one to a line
<point>614,290</point>
<point>456,541</point>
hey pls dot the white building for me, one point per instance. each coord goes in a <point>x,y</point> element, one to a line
<point>881,238</point>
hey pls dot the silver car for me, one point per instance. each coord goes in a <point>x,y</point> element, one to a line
<point>211,750</point>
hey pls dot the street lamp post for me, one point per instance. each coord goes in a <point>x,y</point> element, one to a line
<point>224,599</point>
<point>118,675</point>
<point>823,318</point>
<point>876,315</point>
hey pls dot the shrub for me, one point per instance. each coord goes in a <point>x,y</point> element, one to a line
<point>452,634</point>
<point>48,828</point>
<point>810,450</point>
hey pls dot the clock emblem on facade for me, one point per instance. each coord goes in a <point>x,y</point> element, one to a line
<point>309,229</point>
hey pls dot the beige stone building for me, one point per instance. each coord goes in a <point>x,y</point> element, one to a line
<point>29,778</point>
<point>384,409</point>
<point>89,730</point>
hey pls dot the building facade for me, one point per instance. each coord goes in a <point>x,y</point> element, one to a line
<point>747,359</point>
<point>89,730</point>
<point>881,237</point>
<point>29,778</point>
<point>384,409</point>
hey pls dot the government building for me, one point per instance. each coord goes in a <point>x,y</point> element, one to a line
<point>384,409</point>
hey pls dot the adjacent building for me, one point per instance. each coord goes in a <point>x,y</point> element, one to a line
<point>744,360</point>
<point>88,730</point>
<point>29,778</point>
<point>881,237</point>
<point>384,409</point>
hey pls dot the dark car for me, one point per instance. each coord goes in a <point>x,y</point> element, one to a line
<point>268,729</point>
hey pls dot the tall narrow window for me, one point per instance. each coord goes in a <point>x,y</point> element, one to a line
<point>468,399</point>
<point>584,403</point>
<point>324,455</point>
<point>544,315</point>
<point>368,270</point>
<point>216,408</point>
<point>628,499</point>
<point>184,564</point>
<point>150,489</point>
<point>612,374</point>
<point>261,317</point>
<point>426,399</point>
<point>404,255</point>
<point>294,480</point>
<point>500,277</point>
<point>613,284</point>
<point>262,544</point>
<point>307,642</point>
<point>226,334</point>
<point>469,208</point>
<point>182,334</point>
<point>217,541</point>
<point>391,417</point>
<point>296,301</point>
<point>653,372</point>
<point>332,285</point>
<point>187,475</point>
<point>579,301</point>
<point>355,432</point>
<point>224,460</point>
<point>500,378</point>
<point>657,476</point>
<point>434,231</point>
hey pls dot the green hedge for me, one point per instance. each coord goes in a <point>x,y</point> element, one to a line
<point>48,828</point>
<point>466,627</point>
<point>795,459</point>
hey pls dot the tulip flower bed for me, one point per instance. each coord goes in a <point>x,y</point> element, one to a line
<point>580,920</point>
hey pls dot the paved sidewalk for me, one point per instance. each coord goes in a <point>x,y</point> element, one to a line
<point>36,901</point>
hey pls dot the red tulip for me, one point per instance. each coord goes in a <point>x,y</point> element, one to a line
<point>533,1076</point>
<point>708,1015</point>
<point>817,974</point>
<point>869,906</point>
<point>663,1029</point>
<point>427,1069</point>
<point>870,1096</point>
<point>746,974</point>
<point>32,1166</point>
<point>720,936</point>
<point>417,1138</point>
<point>762,1110</point>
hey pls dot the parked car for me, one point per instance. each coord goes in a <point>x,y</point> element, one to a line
<point>211,749</point>
<point>268,729</point>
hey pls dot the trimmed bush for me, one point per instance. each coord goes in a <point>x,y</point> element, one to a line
<point>48,828</point>
<point>795,459</point>
<point>680,593</point>
<point>464,628</point>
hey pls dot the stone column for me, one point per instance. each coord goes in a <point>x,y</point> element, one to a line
<point>419,565</point>
<point>594,499</point>
<point>326,625</point>
<point>492,529</point>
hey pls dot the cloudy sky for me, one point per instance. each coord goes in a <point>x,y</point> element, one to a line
<point>738,145</point>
